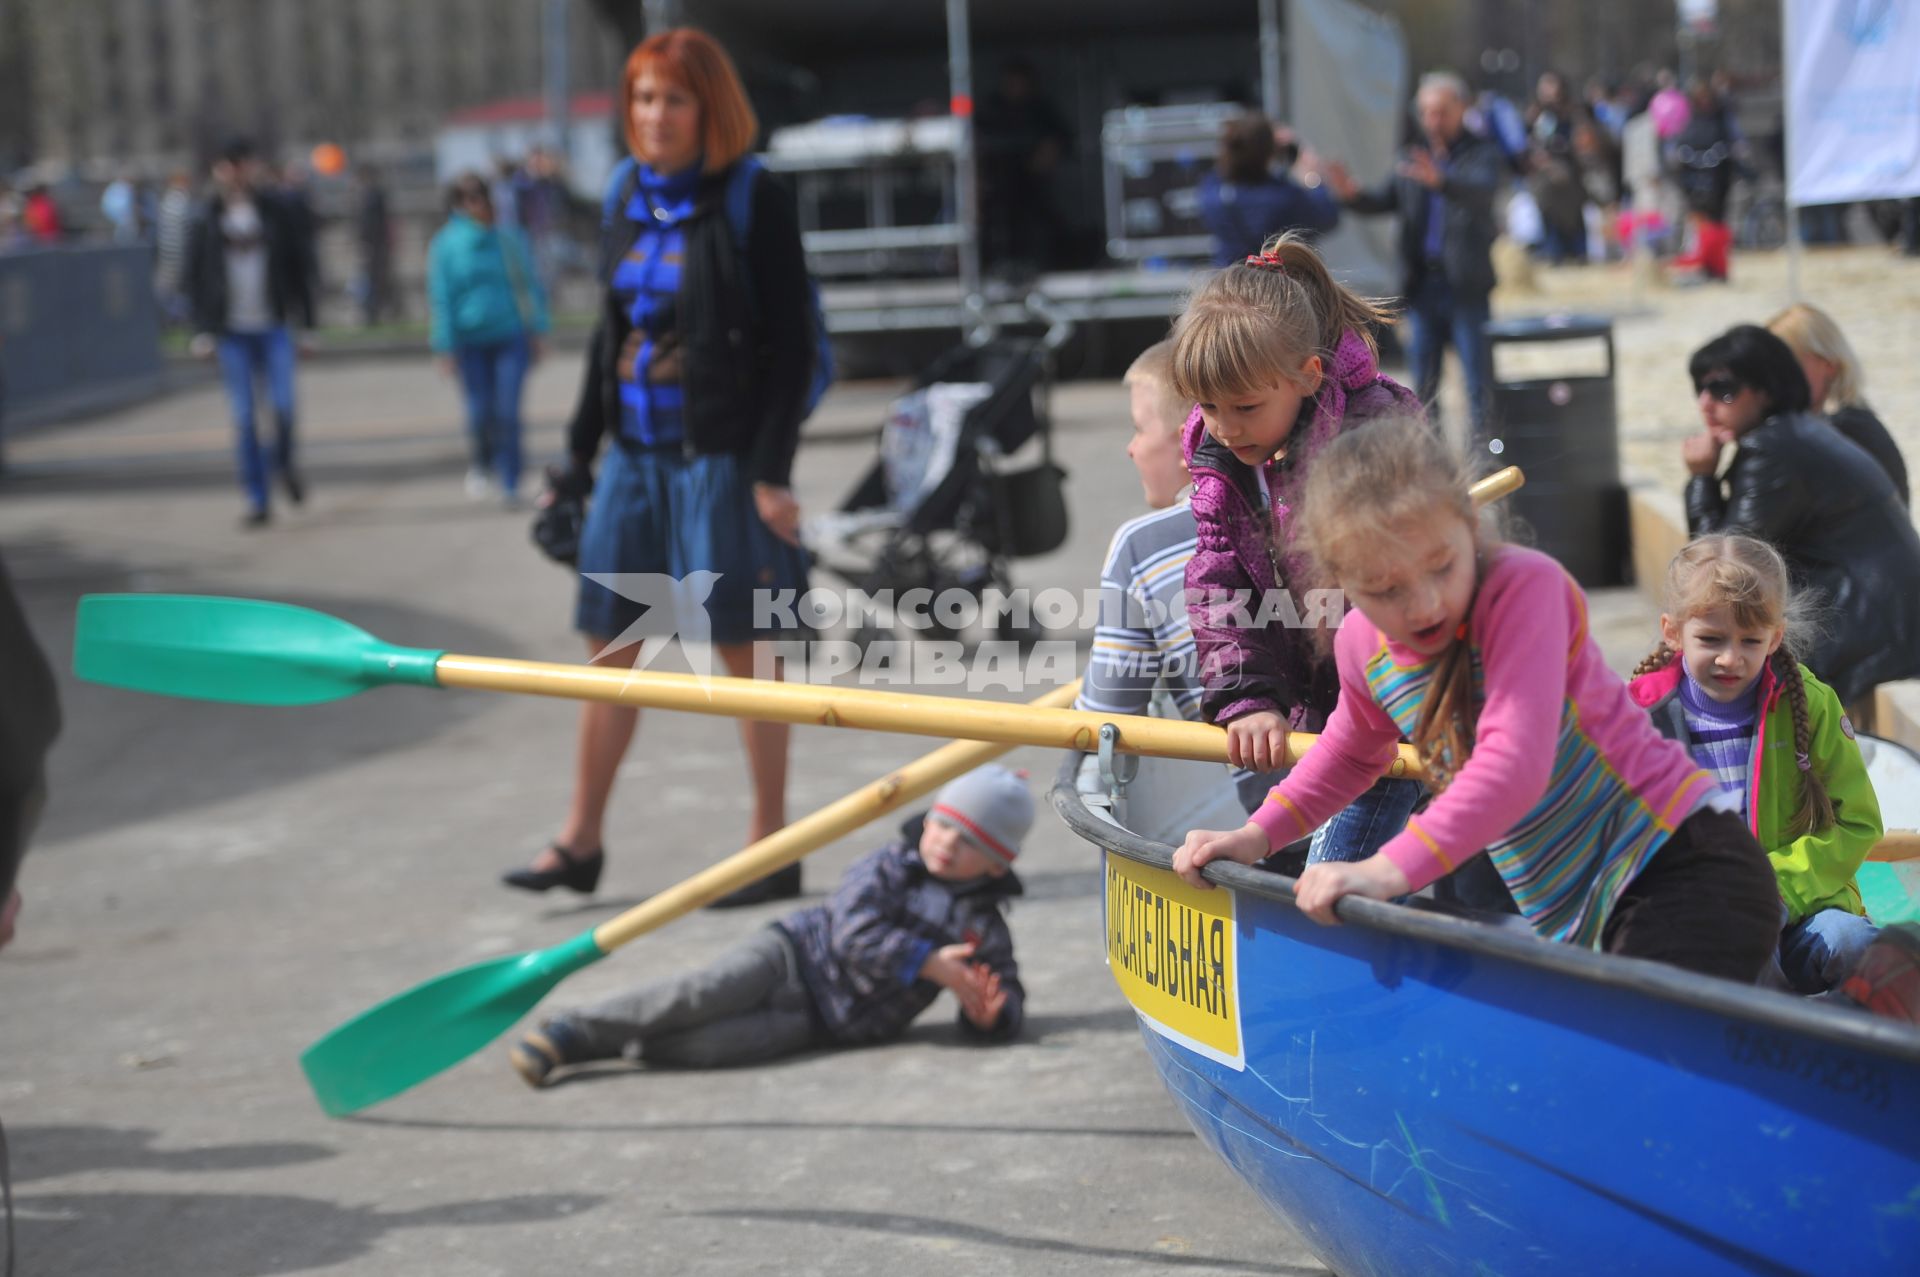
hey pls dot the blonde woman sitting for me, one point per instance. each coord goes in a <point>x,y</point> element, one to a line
<point>1838,385</point>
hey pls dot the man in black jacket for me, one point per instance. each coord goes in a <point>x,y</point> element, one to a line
<point>248,276</point>
<point>1444,194</point>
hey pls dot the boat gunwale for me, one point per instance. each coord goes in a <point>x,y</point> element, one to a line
<point>1439,924</point>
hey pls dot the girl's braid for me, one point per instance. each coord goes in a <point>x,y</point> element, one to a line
<point>1658,659</point>
<point>1816,805</point>
<point>1445,731</point>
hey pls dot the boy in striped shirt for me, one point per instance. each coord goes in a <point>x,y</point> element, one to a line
<point>1142,642</point>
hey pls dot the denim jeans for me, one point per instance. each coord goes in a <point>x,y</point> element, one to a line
<point>749,1004</point>
<point>491,376</point>
<point>1818,952</point>
<point>243,356</point>
<point>1364,825</point>
<point>1436,317</point>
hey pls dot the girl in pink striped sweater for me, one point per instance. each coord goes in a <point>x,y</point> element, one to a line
<point>1605,832</point>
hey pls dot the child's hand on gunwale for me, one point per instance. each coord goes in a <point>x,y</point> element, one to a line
<point>1203,846</point>
<point>1376,878</point>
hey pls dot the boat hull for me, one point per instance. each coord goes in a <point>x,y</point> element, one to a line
<point>1418,1093</point>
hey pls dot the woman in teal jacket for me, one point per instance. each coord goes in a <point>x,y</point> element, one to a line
<point>488,314</point>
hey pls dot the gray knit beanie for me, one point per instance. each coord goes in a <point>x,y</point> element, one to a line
<point>991,806</point>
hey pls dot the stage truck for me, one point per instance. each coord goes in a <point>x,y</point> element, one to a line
<point>905,135</point>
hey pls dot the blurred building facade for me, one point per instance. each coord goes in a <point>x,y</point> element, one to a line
<point>155,83</point>
<point>151,84</point>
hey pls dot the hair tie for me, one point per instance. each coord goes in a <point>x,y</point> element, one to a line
<point>1266,261</point>
<point>1806,764</point>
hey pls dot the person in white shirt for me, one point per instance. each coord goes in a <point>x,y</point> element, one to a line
<point>247,277</point>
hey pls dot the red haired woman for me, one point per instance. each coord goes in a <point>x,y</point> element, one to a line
<point>697,375</point>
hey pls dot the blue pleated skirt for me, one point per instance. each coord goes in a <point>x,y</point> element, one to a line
<point>682,530</point>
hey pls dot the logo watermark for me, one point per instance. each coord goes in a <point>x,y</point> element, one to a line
<point>1053,609</point>
<point>914,632</point>
<point>670,607</point>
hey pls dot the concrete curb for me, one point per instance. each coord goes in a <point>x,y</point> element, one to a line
<point>1659,527</point>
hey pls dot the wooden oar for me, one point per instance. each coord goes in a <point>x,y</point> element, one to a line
<point>433,1026</point>
<point>1897,844</point>
<point>262,653</point>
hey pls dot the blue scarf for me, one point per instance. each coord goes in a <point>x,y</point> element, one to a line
<point>646,282</point>
<point>671,194</point>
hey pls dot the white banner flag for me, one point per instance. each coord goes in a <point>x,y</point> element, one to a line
<point>1347,85</point>
<point>1853,100</point>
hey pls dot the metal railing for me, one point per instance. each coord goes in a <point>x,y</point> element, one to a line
<point>79,331</point>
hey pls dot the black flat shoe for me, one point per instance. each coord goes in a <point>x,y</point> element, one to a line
<point>296,490</point>
<point>781,884</point>
<point>576,873</point>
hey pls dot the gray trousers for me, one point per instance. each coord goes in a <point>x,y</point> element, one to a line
<point>748,1005</point>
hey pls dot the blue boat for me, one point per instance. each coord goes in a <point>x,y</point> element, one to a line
<point>1426,1092</point>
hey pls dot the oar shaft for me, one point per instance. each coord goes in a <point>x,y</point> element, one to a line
<point>1897,844</point>
<point>816,830</point>
<point>875,710</point>
<point>1501,483</point>
<point>866,709</point>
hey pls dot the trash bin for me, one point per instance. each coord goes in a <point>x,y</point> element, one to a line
<point>1563,432</point>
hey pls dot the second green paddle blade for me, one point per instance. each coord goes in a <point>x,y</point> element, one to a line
<point>245,650</point>
<point>431,1027</point>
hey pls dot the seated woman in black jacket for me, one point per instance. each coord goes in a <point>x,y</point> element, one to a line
<point>1821,501</point>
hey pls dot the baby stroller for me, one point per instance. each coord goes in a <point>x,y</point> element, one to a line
<point>941,508</point>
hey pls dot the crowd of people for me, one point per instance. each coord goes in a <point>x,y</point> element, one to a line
<point>1644,167</point>
<point>237,264</point>
<point>1648,165</point>
<point>530,192</point>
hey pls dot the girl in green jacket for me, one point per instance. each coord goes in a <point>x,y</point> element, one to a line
<point>1724,682</point>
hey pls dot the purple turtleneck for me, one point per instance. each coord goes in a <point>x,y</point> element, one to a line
<point>1720,734</point>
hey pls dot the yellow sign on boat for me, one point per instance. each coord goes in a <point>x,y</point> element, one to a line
<point>1173,950</point>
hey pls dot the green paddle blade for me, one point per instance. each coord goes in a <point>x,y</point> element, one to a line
<point>245,650</point>
<point>432,1027</point>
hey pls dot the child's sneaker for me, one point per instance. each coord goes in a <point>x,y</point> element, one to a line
<point>555,1044</point>
<point>1886,981</point>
